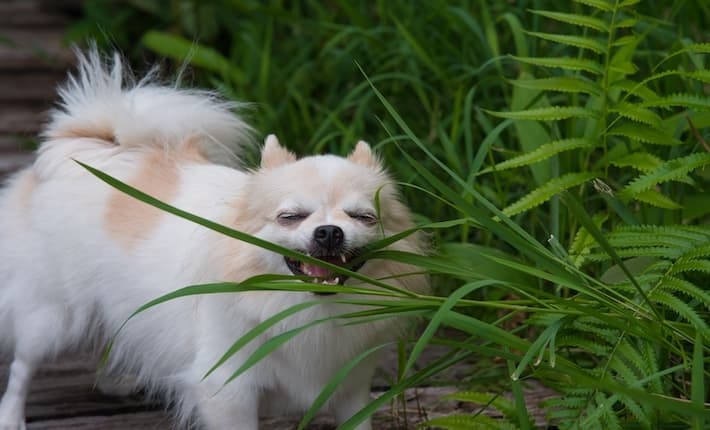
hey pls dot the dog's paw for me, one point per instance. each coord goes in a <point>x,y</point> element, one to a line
<point>12,420</point>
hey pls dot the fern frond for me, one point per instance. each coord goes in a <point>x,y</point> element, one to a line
<point>625,23</point>
<point>574,19</point>
<point>638,114</point>
<point>688,288</point>
<point>679,307</point>
<point>543,193</point>
<point>654,198</point>
<point>642,161</point>
<point>687,232</point>
<point>691,265</point>
<point>698,252</point>
<point>566,63</point>
<point>576,341</point>
<point>644,134</point>
<point>561,84</point>
<point>624,239</point>
<point>684,100</point>
<point>574,41</point>
<point>542,153</point>
<point>638,89</point>
<point>651,251</point>
<point>699,75</point>
<point>669,171</point>
<point>604,5</point>
<point>550,113</point>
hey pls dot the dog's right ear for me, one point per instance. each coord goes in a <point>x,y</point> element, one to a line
<point>274,155</point>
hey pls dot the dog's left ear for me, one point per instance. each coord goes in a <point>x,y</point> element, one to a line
<point>274,155</point>
<point>362,154</point>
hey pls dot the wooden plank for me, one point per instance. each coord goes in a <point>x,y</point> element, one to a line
<point>29,87</point>
<point>33,49</point>
<point>10,162</point>
<point>30,13</point>
<point>135,421</point>
<point>23,118</point>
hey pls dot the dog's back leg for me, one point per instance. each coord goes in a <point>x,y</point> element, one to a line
<point>12,408</point>
<point>39,334</point>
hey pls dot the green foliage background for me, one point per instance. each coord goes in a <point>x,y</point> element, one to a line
<point>556,150</point>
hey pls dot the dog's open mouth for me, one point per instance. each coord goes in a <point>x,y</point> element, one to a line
<point>323,275</point>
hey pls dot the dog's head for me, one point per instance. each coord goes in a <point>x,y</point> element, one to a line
<point>326,206</point>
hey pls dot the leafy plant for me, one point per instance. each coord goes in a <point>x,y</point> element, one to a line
<point>607,109</point>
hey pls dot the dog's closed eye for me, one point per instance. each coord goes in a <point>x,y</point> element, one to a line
<point>366,217</point>
<point>290,218</point>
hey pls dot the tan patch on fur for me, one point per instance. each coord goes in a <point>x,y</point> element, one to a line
<point>129,220</point>
<point>79,132</point>
<point>25,187</point>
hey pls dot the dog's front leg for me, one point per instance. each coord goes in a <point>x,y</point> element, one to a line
<point>233,407</point>
<point>351,403</point>
<point>12,407</point>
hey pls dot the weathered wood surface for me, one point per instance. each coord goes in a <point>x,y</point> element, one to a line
<point>33,61</point>
<point>64,397</point>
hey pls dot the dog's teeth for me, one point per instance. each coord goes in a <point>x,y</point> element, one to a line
<point>342,258</point>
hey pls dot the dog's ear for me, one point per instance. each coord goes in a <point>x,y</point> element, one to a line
<point>362,154</point>
<point>274,155</point>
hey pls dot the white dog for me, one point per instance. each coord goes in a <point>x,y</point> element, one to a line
<point>77,257</point>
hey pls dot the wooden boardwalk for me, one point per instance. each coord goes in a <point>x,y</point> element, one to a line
<point>33,60</point>
<point>63,397</point>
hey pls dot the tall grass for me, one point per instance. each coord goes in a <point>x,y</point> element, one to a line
<point>557,152</point>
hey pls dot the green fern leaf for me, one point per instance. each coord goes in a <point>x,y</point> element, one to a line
<point>625,40</point>
<point>698,252</point>
<point>653,251</point>
<point>638,114</point>
<point>699,75</point>
<point>566,63</point>
<point>669,171</point>
<point>626,23</point>
<point>693,48</point>
<point>574,41</point>
<point>627,3</point>
<point>694,265</point>
<point>643,133</point>
<point>688,288</point>
<point>685,100</point>
<point>549,113</point>
<point>543,152</point>
<point>624,239</point>
<point>695,234</point>
<point>624,67</point>
<point>545,192</point>
<point>574,19</point>
<point>642,161</point>
<point>604,5</point>
<point>634,88</point>
<point>657,199</point>
<point>561,84</point>
<point>679,307</point>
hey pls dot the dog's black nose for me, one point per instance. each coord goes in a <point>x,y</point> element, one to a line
<point>330,237</point>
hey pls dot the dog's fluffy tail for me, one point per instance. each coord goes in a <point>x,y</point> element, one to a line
<point>103,101</point>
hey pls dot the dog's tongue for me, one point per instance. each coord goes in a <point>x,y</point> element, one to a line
<point>317,271</point>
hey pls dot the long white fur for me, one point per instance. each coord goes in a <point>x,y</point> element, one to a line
<point>69,281</point>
